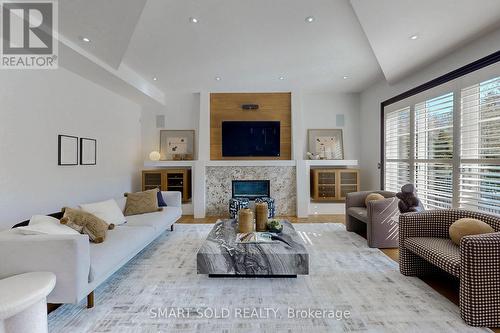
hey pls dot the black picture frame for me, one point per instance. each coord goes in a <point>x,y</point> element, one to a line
<point>83,160</point>
<point>63,141</point>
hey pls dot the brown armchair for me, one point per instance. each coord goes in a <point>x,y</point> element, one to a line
<point>379,218</point>
<point>425,247</point>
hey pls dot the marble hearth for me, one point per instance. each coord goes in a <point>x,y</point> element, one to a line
<point>219,186</point>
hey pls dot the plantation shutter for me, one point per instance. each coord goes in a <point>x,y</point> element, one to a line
<point>434,151</point>
<point>480,147</point>
<point>397,149</point>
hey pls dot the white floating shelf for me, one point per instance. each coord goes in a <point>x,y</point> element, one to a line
<point>250,163</point>
<point>166,164</point>
<point>332,162</point>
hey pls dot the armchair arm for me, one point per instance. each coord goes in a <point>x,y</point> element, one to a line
<point>382,229</point>
<point>172,198</point>
<point>479,279</point>
<point>67,256</point>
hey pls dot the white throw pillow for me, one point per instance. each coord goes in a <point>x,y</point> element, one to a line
<point>46,225</point>
<point>108,211</point>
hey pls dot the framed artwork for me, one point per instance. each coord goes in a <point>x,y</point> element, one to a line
<point>67,148</point>
<point>327,143</point>
<point>176,145</point>
<point>88,151</point>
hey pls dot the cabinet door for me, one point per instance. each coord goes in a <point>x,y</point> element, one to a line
<point>348,181</point>
<point>151,180</point>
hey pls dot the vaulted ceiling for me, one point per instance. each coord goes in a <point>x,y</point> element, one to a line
<point>268,45</point>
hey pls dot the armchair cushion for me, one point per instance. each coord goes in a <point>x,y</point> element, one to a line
<point>441,252</point>
<point>360,213</point>
<point>465,227</point>
<point>373,196</point>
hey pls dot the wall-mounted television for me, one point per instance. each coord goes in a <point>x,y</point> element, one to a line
<point>250,138</point>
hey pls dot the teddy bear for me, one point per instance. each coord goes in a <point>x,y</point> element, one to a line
<point>408,201</point>
<point>86,223</point>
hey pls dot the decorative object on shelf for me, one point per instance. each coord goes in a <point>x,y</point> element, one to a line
<point>88,151</point>
<point>67,150</point>
<point>275,226</point>
<point>235,204</point>
<point>270,205</point>
<point>245,220</point>
<point>261,216</point>
<point>154,156</point>
<point>312,156</point>
<point>182,157</point>
<point>176,145</point>
<point>327,143</point>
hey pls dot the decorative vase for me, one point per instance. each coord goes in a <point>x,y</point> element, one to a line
<point>261,214</point>
<point>245,220</point>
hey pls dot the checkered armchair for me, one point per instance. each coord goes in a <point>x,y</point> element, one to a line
<point>425,247</point>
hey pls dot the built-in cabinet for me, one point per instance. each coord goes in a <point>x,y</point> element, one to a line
<point>168,180</point>
<point>331,184</point>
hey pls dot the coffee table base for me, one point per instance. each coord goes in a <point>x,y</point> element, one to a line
<point>249,276</point>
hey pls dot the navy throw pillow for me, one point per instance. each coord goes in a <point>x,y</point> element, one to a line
<point>161,202</point>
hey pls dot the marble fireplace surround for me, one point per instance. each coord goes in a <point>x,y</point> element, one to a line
<point>219,186</point>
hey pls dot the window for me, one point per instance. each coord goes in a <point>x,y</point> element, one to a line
<point>447,142</point>
<point>397,149</point>
<point>480,147</point>
<point>434,151</point>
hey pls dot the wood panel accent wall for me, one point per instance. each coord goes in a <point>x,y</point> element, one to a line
<point>272,107</point>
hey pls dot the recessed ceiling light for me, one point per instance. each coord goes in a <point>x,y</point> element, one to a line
<point>193,20</point>
<point>282,78</point>
<point>345,77</point>
<point>218,78</point>
<point>413,37</point>
<point>310,19</point>
<point>85,39</point>
<point>155,78</point>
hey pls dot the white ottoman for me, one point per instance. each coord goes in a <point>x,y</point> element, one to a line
<point>23,302</point>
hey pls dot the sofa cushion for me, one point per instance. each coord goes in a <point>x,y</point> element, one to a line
<point>121,244</point>
<point>141,202</point>
<point>372,197</point>
<point>108,211</point>
<point>441,252</point>
<point>359,213</point>
<point>160,221</point>
<point>465,227</point>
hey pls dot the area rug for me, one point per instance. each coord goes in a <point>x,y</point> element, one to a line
<point>351,288</point>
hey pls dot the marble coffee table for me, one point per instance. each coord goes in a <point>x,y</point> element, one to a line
<point>221,255</point>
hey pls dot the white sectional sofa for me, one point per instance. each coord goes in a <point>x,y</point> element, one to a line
<point>81,266</point>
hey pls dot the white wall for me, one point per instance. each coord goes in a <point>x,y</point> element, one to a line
<point>373,96</point>
<point>36,106</point>
<point>319,111</point>
<point>181,113</point>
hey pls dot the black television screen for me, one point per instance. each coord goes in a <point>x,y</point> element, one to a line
<point>250,138</point>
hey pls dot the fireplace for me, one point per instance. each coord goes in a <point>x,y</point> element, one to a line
<point>251,189</point>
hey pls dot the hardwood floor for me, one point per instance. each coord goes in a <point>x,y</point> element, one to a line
<point>444,284</point>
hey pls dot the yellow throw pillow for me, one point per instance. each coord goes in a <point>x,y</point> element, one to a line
<point>142,202</point>
<point>373,196</point>
<point>465,227</point>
